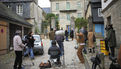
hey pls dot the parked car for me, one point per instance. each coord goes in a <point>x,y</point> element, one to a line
<point>38,45</point>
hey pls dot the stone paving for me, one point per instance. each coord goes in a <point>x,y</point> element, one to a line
<point>71,59</point>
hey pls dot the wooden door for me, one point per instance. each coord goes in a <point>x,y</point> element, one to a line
<point>3,37</point>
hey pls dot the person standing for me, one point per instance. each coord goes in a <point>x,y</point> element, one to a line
<point>91,40</point>
<point>72,34</point>
<point>111,38</point>
<point>18,48</point>
<point>59,37</point>
<point>66,34</point>
<point>80,40</point>
<point>84,31</point>
<point>51,36</point>
<point>30,45</point>
<point>119,56</point>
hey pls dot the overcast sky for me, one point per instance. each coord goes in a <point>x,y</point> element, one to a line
<point>44,3</point>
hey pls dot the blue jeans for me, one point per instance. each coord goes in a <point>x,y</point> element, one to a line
<point>66,38</point>
<point>61,47</point>
<point>29,50</point>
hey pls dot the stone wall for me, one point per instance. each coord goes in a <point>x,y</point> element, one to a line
<point>115,12</point>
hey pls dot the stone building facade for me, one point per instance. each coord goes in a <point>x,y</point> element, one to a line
<point>65,9</point>
<point>9,23</point>
<point>29,10</point>
<point>112,15</point>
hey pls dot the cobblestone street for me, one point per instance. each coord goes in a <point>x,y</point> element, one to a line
<point>71,59</point>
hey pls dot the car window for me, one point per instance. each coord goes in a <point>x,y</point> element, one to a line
<point>37,38</point>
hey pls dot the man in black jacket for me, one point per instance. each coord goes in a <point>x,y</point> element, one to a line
<point>54,52</point>
<point>30,44</point>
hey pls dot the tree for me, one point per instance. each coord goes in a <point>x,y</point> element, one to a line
<point>47,21</point>
<point>57,23</point>
<point>80,22</point>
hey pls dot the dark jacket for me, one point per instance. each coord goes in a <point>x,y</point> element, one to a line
<point>72,34</point>
<point>111,38</point>
<point>66,33</point>
<point>54,51</point>
<point>52,35</point>
<point>30,41</point>
<point>119,56</point>
<point>59,38</point>
<point>85,35</point>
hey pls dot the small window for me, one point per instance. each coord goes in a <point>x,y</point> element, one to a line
<point>99,12</point>
<point>68,5</point>
<point>109,20</point>
<point>9,6</point>
<point>57,6</point>
<point>19,9</point>
<point>79,5</point>
<point>68,17</point>
<point>79,15</point>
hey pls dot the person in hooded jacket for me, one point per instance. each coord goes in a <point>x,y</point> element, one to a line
<point>18,48</point>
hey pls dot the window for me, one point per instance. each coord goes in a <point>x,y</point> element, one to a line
<point>19,9</point>
<point>68,5</point>
<point>79,15</point>
<point>109,20</point>
<point>78,5</point>
<point>57,6</point>
<point>99,12</point>
<point>68,17</point>
<point>9,6</point>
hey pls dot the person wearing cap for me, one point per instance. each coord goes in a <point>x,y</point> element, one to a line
<point>81,42</point>
<point>18,48</point>
<point>51,36</point>
<point>54,52</point>
<point>111,38</point>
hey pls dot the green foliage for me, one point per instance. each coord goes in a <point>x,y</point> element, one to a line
<point>48,17</point>
<point>36,29</point>
<point>57,23</point>
<point>80,22</point>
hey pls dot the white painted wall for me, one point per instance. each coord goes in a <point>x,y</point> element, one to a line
<point>105,4</point>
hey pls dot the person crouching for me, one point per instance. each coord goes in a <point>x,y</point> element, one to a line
<point>54,52</point>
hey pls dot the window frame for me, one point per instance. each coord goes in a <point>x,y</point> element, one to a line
<point>68,5</point>
<point>99,12</point>
<point>78,15</point>
<point>19,9</point>
<point>68,16</point>
<point>57,6</point>
<point>78,5</point>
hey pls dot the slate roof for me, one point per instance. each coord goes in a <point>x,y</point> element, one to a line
<point>47,10</point>
<point>8,14</point>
